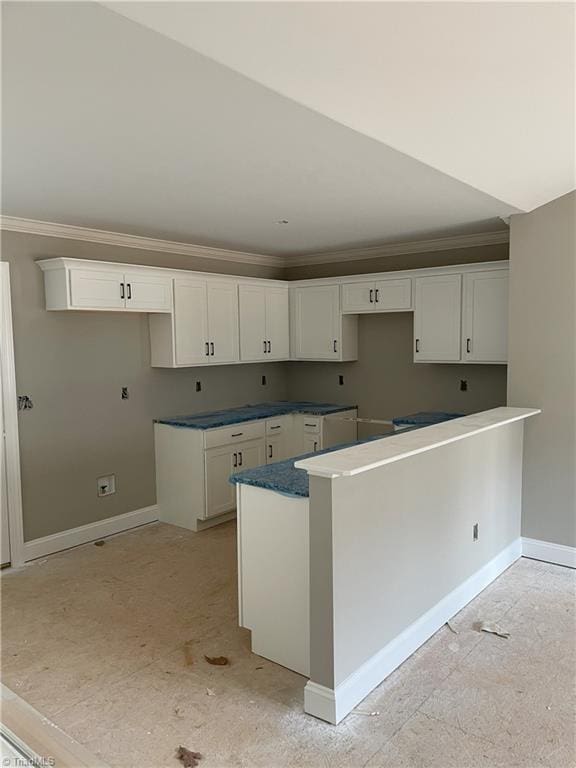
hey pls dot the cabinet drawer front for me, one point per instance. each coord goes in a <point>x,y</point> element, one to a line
<point>393,295</point>
<point>277,426</point>
<point>311,424</point>
<point>237,433</point>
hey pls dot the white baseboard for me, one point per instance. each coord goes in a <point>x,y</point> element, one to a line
<point>559,554</point>
<point>47,545</point>
<point>334,704</point>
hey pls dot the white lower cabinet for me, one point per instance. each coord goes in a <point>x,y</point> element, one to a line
<point>437,318</point>
<point>220,463</point>
<point>485,317</point>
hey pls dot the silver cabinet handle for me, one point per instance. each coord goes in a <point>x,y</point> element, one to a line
<point>417,345</point>
<point>235,459</point>
<point>269,451</point>
<point>240,458</point>
<point>371,296</point>
<point>212,348</point>
<point>335,345</point>
<point>468,346</point>
<point>207,349</point>
<point>122,290</point>
<point>377,295</point>
<point>129,290</point>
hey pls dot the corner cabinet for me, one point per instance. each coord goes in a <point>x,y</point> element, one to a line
<point>319,330</point>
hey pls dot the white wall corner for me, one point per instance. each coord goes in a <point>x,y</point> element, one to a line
<point>558,554</point>
<point>48,545</point>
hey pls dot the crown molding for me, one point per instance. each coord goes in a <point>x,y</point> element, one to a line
<point>103,237</point>
<point>122,240</point>
<point>399,249</point>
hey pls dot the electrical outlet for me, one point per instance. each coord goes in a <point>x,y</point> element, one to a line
<point>198,386</point>
<point>475,532</point>
<point>125,394</point>
<point>463,385</point>
<point>263,381</point>
<point>341,380</point>
<point>106,485</point>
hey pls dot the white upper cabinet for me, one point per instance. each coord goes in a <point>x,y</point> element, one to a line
<point>377,296</point>
<point>80,284</point>
<point>264,323</point>
<point>319,331</point>
<point>437,318</point>
<point>190,323</point>
<point>223,322</point>
<point>485,317</point>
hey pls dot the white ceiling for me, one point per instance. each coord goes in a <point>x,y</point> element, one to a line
<point>111,125</point>
<point>484,92</point>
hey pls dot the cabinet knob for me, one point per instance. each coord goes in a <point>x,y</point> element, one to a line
<point>377,295</point>
<point>269,451</point>
<point>129,290</point>
<point>265,350</point>
<point>371,296</point>
<point>207,349</point>
<point>239,458</point>
<point>417,345</point>
<point>235,459</point>
<point>269,346</point>
<point>212,348</point>
<point>468,346</point>
<point>121,290</point>
<point>335,347</point>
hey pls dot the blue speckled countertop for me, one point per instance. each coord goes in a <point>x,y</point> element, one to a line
<point>284,478</point>
<point>425,418</point>
<point>212,419</point>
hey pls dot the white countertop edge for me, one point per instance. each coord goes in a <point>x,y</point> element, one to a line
<point>320,467</point>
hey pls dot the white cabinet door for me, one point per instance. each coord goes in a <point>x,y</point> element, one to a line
<point>250,454</point>
<point>393,295</point>
<point>220,493</point>
<point>147,292</point>
<point>223,329</point>
<point>485,328</point>
<point>97,289</point>
<point>277,324</point>
<point>252,300</point>
<point>276,448</point>
<point>190,322</point>
<point>311,443</point>
<point>316,322</point>
<point>437,316</point>
<point>358,297</point>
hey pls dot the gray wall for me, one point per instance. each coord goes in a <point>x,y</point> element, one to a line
<point>385,381</point>
<point>73,365</point>
<point>542,363</point>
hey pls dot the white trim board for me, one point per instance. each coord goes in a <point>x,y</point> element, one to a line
<point>334,705</point>
<point>48,545</point>
<point>121,239</point>
<point>10,412</point>
<point>558,554</point>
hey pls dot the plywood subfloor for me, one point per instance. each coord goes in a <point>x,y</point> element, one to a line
<point>109,643</point>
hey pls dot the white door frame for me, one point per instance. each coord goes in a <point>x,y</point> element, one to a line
<point>10,407</point>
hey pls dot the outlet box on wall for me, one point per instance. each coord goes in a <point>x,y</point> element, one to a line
<point>106,485</point>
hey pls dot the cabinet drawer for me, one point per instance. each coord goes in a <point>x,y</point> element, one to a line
<point>311,424</point>
<point>236,433</point>
<point>277,426</point>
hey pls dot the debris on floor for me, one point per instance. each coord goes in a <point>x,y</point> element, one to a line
<point>218,661</point>
<point>189,659</point>
<point>452,629</point>
<point>99,543</point>
<point>188,758</point>
<point>493,629</point>
<point>210,692</point>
